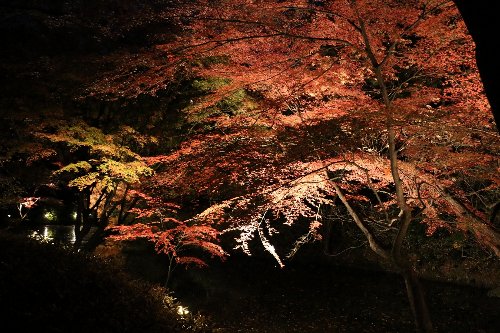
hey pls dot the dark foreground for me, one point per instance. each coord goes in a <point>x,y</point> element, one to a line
<point>246,297</point>
<point>45,288</point>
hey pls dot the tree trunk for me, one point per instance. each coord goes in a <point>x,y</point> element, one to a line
<point>418,304</point>
<point>95,239</point>
<point>84,219</point>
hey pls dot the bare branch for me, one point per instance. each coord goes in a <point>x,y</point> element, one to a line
<point>374,245</point>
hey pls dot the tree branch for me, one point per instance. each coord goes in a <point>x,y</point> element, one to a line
<point>374,245</point>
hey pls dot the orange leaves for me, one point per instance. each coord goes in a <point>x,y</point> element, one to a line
<point>157,221</point>
<point>180,240</point>
<point>289,97</point>
<point>29,202</point>
<point>131,232</point>
<point>217,165</point>
<point>176,238</point>
<point>191,261</point>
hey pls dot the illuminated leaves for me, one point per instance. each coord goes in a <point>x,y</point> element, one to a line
<point>75,169</point>
<point>284,101</point>
<point>174,238</point>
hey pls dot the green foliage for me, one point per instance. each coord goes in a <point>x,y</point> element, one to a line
<point>80,137</point>
<point>209,84</point>
<point>238,102</point>
<point>87,180</point>
<point>128,172</point>
<point>105,163</point>
<point>107,173</point>
<point>81,167</point>
<point>50,216</point>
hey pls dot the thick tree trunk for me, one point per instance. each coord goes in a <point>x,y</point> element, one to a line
<point>95,239</point>
<point>418,304</point>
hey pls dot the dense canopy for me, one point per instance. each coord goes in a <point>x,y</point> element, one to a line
<point>259,123</point>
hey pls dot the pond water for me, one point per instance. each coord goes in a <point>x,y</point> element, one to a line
<point>60,234</point>
<point>56,234</point>
<point>247,297</point>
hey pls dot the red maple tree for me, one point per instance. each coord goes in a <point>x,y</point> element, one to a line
<point>282,112</point>
<point>175,238</point>
<point>372,109</point>
<point>304,105</point>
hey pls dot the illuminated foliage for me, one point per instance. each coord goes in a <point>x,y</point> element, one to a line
<point>371,108</point>
<point>281,114</point>
<point>102,175</point>
<point>276,84</point>
<point>318,73</point>
<point>178,240</point>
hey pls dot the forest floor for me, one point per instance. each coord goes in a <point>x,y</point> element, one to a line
<point>51,289</point>
<point>245,296</point>
<point>47,288</point>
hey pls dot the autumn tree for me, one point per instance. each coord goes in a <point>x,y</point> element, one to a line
<point>370,110</point>
<point>182,242</point>
<point>281,115</point>
<point>103,173</point>
<point>373,108</point>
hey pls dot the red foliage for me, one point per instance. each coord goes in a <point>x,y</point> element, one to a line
<point>175,238</point>
<point>319,107</point>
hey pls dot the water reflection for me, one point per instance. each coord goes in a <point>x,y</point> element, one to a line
<point>57,234</point>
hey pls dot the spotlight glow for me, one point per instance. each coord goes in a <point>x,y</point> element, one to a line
<point>182,310</point>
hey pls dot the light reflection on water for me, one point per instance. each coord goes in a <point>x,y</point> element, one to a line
<point>60,234</point>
